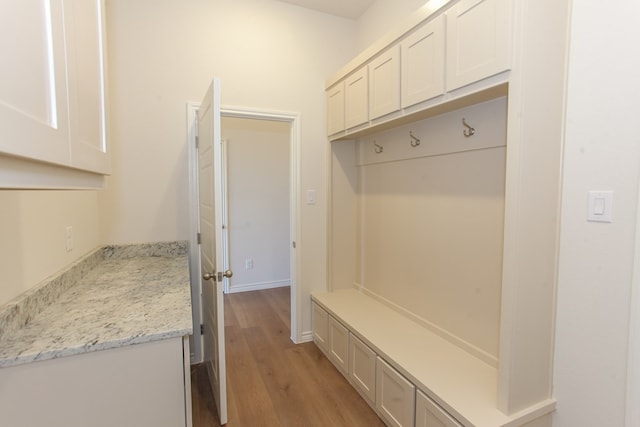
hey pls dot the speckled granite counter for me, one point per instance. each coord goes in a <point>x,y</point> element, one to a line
<point>114,297</point>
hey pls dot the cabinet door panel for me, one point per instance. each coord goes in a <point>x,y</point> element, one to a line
<point>320,327</point>
<point>478,41</point>
<point>362,367</point>
<point>356,98</point>
<point>33,91</point>
<point>423,63</point>
<point>84,21</point>
<point>384,83</point>
<point>339,345</point>
<point>335,109</point>
<point>395,395</point>
<point>428,414</point>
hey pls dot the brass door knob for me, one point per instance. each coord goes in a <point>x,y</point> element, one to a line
<point>228,274</point>
<point>209,276</point>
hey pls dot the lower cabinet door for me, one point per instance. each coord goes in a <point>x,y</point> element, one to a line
<point>429,414</point>
<point>395,396</point>
<point>320,328</point>
<point>339,345</point>
<point>362,368</point>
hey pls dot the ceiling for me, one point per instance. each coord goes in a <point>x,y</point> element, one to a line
<point>351,9</point>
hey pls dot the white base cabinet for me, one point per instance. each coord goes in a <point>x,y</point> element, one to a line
<point>141,385</point>
<point>321,328</point>
<point>339,345</point>
<point>395,396</point>
<point>428,414</point>
<point>362,369</point>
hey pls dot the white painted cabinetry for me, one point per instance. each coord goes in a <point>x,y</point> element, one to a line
<point>142,385</point>
<point>362,368</point>
<point>384,83</point>
<point>320,328</point>
<point>428,414</point>
<point>52,92</point>
<point>423,63</point>
<point>395,396</point>
<point>356,88</point>
<point>478,41</point>
<point>335,109</point>
<point>339,345</point>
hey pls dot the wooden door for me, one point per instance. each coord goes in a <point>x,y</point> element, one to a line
<point>356,89</point>
<point>210,215</point>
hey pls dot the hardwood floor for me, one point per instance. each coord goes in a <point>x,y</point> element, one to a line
<point>270,380</point>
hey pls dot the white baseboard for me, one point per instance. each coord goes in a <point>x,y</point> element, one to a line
<point>306,337</point>
<point>259,286</point>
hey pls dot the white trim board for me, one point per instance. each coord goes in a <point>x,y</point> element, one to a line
<point>259,286</point>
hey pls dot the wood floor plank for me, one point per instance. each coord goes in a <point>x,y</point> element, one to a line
<point>272,382</point>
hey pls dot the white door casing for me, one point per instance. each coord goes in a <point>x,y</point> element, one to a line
<point>210,219</point>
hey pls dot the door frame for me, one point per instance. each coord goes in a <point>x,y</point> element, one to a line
<point>294,215</point>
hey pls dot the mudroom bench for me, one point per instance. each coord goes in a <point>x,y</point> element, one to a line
<point>407,373</point>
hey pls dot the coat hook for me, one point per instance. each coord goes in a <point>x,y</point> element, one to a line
<point>415,141</point>
<point>469,131</point>
<point>378,148</point>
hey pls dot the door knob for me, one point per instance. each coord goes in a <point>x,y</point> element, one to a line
<point>209,276</point>
<point>228,274</point>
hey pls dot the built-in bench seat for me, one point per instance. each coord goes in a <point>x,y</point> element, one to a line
<point>462,386</point>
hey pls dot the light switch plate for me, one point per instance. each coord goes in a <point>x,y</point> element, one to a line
<point>600,208</point>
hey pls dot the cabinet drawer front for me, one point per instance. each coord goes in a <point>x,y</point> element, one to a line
<point>395,395</point>
<point>362,367</point>
<point>320,327</point>
<point>339,345</point>
<point>428,414</point>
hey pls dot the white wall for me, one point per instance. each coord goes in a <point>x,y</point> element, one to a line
<point>602,152</point>
<point>32,235</point>
<point>382,16</point>
<point>268,55</point>
<point>258,202</point>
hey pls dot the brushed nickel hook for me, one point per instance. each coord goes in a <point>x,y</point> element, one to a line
<point>378,148</point>
<point>415,141</point>
<point>469,131</point>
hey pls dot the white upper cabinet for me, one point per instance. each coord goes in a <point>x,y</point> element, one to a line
<point>85,22</point>
<point>478,41</point>
<point>335,109</point>
<point>423,63</point>
<point>34,119</point>
<point>356,98</point>
<point>52,106</point>
<point>384,83</point>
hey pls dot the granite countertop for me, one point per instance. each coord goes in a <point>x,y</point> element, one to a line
<point>130,296</point>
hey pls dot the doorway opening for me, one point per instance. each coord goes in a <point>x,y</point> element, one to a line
<point>291,122</point>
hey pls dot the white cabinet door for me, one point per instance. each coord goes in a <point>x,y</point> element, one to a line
<point>320,328</point>
<point>478,40</point>
<point>84,22</point>
<point>362,368</point>
<point>356,88</point>
<point>395,396</point>
<point>384,83</point>
<point>33,84</point>
<point>339,345</point>
<point>428,414</point>
<point>423,63</point>
<point>52,106</point>
<point>335,109</point>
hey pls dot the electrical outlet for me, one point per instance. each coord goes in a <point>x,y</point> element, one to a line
<point>248,264</point>
<point>69,238</point>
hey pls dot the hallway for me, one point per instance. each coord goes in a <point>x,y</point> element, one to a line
<point>270,380</point>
